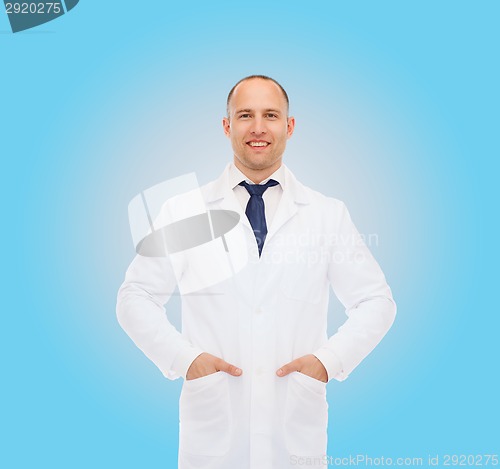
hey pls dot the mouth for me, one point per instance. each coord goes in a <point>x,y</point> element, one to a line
<point>258,144</point>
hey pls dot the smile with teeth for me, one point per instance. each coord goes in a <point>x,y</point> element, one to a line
<point>258,144</point>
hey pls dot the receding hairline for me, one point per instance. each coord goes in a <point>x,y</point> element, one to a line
<point>257,77</point>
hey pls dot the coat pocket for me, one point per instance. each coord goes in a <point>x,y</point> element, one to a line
<point>306,416</point>
<point>205,417</point>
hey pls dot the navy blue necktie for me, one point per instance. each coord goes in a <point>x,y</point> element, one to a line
<point>255,210</point>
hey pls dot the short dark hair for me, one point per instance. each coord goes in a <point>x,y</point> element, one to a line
<point>251,77</point>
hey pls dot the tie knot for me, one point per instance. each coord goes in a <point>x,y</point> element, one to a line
<point>258,189</point>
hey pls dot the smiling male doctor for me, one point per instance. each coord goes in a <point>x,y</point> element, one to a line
<point>254,349</point>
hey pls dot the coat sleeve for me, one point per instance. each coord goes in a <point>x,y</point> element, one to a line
<point>360,285</point>
<point>149,283</point>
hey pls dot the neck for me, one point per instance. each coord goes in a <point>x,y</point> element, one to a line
<point>257,175</point>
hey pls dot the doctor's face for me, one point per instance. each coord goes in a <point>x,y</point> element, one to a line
<point>258,124</point>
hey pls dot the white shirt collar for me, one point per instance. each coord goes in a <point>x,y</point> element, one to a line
<point>236,176</point>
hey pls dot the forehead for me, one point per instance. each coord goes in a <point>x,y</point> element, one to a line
<point>258,94</point>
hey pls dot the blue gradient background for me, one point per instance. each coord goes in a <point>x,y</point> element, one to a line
<point>397,115</point>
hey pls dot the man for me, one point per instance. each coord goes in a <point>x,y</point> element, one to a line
<point>254,350</point>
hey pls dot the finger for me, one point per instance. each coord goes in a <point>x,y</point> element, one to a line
<point>288,368</point>
<point>228,368</point>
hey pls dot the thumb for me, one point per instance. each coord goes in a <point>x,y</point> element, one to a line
<point>228,368</point>
<point>288,368</point>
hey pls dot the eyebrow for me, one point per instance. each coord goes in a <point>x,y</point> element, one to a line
<point>251,110</point>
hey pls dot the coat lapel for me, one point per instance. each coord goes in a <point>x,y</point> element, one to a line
<point>294,195</point>
<point>218,194</point>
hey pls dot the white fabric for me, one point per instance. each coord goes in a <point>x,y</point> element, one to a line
<point>271,312</point>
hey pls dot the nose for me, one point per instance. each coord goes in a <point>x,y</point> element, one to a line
<point>258,126</point>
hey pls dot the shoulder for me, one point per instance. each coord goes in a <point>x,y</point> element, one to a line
<point>216,189</point>
<point>307,195</point>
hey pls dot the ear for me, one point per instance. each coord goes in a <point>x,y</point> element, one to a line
<point>290,126</point>
<point>226,126</point>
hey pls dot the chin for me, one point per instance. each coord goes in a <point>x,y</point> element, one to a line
<point>255,164</point>
<point>260,166</point>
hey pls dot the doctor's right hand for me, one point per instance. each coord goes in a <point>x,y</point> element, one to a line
<point>206,364</point>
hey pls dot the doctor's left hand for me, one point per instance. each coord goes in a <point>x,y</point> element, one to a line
<point>309,365</point>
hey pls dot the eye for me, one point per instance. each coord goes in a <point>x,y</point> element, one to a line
<point>244,116</point>
<point>272,115</point>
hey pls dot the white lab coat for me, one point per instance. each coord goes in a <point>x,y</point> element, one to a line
<point>273,311</point>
